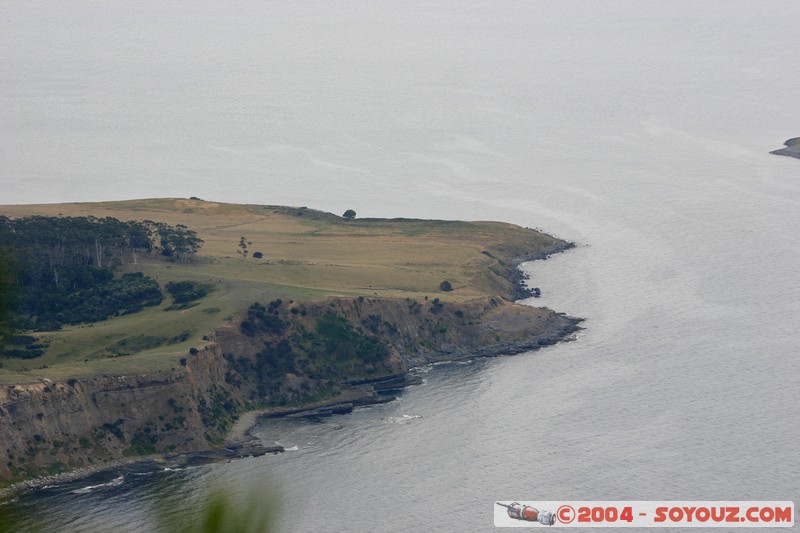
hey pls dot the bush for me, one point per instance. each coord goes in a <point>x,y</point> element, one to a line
<point>184,292</point>
<point>46,309</point>
<point>446,286</point>
<point>257,255</point>
<point>23,347</point>
<point>258,321</point>
<point>342,343</point>
<point>349,214</point>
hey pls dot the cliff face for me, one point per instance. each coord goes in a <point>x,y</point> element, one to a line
<point>292,354</point>
<point>49,427</point>
<point>306,360</point>
<point>423,332</point>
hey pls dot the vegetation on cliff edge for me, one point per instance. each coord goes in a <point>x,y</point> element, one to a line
<point>302,347</point>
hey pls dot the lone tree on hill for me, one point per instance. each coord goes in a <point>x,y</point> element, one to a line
<point>349,214</point>
<point>243,244</point>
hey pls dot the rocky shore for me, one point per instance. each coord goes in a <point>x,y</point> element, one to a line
<point>417,333</point>
<point>240,442</point>
<point>792,148</point>
<point>249,447</point>
<point>520,278</point>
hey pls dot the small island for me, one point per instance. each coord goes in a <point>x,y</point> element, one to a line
<point>150,327</point>
<point>792,148</point>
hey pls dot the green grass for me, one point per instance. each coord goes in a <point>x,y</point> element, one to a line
<point>306,258</point>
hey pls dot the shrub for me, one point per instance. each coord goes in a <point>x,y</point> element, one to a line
<point>184,292</point>
<point>446,286</point>
<point>258,321</point>
<point>23,347</point>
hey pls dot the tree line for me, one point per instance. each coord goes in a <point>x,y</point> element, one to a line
<point>48,245</point>
<point>60,270</point>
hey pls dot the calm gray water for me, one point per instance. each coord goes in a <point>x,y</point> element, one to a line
<point>639,129</point>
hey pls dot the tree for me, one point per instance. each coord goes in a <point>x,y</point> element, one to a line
<point>179,242</point>
<point>446,286</point>
<point>349,214</point>
<point>64,268</point>
<point>7,291</point>
<point>243,244</point>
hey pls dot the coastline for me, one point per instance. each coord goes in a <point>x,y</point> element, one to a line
<point>518,277</point>
<point>792,148</point>
<point>10,492</point>
<point>240,431</point>
<point>241,442</point>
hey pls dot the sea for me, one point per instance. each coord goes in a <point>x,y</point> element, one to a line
<point>637,129</point>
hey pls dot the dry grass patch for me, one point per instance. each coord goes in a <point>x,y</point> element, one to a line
<point>308,255</point>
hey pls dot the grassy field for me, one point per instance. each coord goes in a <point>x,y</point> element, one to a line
<point>308,255</point>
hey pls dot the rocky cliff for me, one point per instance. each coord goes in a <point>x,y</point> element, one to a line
<point>285,354</point>
<point>52,426</point>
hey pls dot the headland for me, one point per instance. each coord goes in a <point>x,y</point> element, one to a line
<point>791,148</point>
<point>285,311</point>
